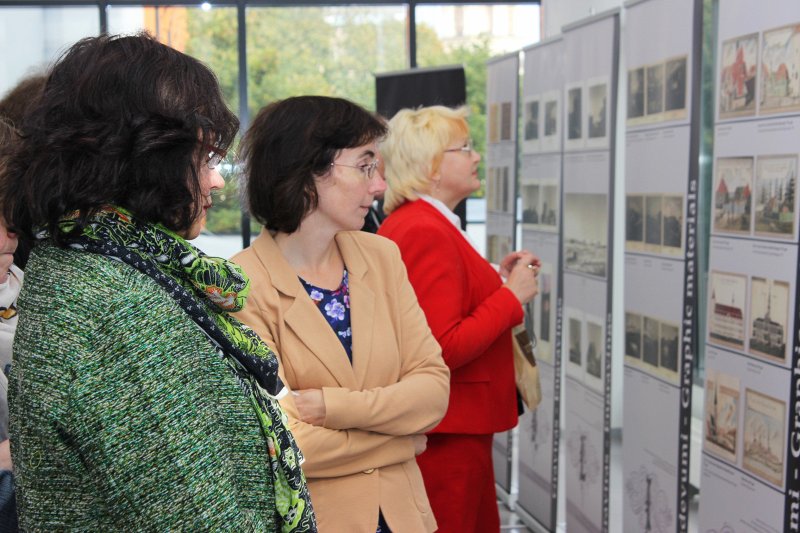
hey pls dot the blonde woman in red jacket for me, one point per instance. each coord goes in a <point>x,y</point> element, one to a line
<point>430,168</point>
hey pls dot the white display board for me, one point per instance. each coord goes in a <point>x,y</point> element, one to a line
<point>502,80</point>
<point>661,42</point>
<point>590,65</point>
<point>750,475</point>
<point>540,195</point>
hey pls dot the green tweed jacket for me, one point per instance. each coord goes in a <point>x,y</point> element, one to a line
<point>123,417</point>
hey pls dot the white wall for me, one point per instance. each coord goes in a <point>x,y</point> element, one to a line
<point>558,13</point>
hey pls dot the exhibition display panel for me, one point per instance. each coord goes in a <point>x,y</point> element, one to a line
<point>662,45</point>
<point>750,476</point>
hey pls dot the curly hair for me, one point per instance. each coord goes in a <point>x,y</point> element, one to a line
<point>289,144</point>
<point>21,98</point>
<point>123,121</point>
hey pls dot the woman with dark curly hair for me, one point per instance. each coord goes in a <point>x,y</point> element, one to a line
<point>367,376</point>
<point>136,401</point>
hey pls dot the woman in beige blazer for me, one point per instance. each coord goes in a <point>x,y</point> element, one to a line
<point>367,380</point>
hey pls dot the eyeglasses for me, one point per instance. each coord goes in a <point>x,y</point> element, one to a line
<point>468,148</point>
<point>367,169</point>
<point>215,156</point>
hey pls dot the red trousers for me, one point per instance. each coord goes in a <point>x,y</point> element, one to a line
<point>459,478</point>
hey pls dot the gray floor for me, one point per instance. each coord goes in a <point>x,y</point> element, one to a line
<point>510,522</point>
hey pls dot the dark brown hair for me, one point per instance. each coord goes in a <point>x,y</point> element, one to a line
<point>122,121</point>
<point>289,144</point>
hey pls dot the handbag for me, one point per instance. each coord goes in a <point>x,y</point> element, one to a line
<point>526,371</point>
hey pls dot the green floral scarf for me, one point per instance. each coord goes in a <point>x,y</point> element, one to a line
<point>208,289</point>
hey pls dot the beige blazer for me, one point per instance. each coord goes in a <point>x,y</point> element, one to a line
<point>362,459</point>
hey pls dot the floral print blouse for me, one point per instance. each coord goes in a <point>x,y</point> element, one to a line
<point>335,307</point>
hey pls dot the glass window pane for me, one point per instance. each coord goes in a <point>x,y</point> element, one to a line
<point>469,35</point>
<point>329,51</point>
<point>209,34</point>
<point>33,37</point>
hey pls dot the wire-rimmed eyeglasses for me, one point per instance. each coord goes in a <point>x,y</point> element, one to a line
<point>215,156</point>
<point>367,169</point>
<point>468,148</point>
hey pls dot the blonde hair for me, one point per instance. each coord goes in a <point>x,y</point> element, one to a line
<point>414,148</point>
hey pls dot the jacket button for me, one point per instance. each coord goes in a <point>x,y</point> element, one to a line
<point>369,470</point>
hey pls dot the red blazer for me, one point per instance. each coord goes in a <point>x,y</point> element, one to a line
<point>469,313</point>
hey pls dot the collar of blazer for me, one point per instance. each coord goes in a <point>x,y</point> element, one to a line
<point>305,319</point>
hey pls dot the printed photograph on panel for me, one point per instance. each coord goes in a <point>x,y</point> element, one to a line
<point>532,120</point>
<point>780,70</point>
<point>505,121</point>
<point>574,130</point>
<point>764,435</point>
<point>490,186</point>
<point>506,190</point>
<point>672,222</point>
<point>726,310</point>
<point>721,417</point>
<point>598,96</point>
<point>737,76</point>
<point>775,191</point>
<point>650,333</point>
<point>575,352</point>
<point>733,186</point>
<point>634,222</point>
<point>633,335</point>
<point>497,247</point>
<point>594,354</point>
<point>544,322</point>
<point>675,87</point>
<point>531,197</point>
<point>655,89</point>
<point>494,123</point>
<point>551,118</point>
<point>769,318</point>
<point>636,93</point>
<point>549,211</point>
<point>653,222</point>
<point>669,348</point>
<point>586,233</point>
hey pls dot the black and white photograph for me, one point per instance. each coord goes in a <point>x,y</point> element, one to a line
<point>726,309</point>
<point>575,352</point>
<point>594,349</point>
<point>733,186</point>
<point>655,89</point>
<point>636,93</point>
<point>598,97</point>
<point>737,76</point>
<point>550,118</point>
<point>780,70</point>
<point>650,336</point>
<point>633,335</point>
<point>775,196</point>
<point>769,318</point>
<point>574,110</point>
<point>669,347</point>
<point>532,120</point>
<point>586,233</point>
<point>672,224</point>
<point>505,121</point>
<point>634,222</point>
<point>675,86</point>
<point>653,221</point>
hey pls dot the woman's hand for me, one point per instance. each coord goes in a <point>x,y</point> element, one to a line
<point>522,278</point>
<point>310,405</point>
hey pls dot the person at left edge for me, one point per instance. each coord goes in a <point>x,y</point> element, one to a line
<point>136,401</point>
<point>367,376</point>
